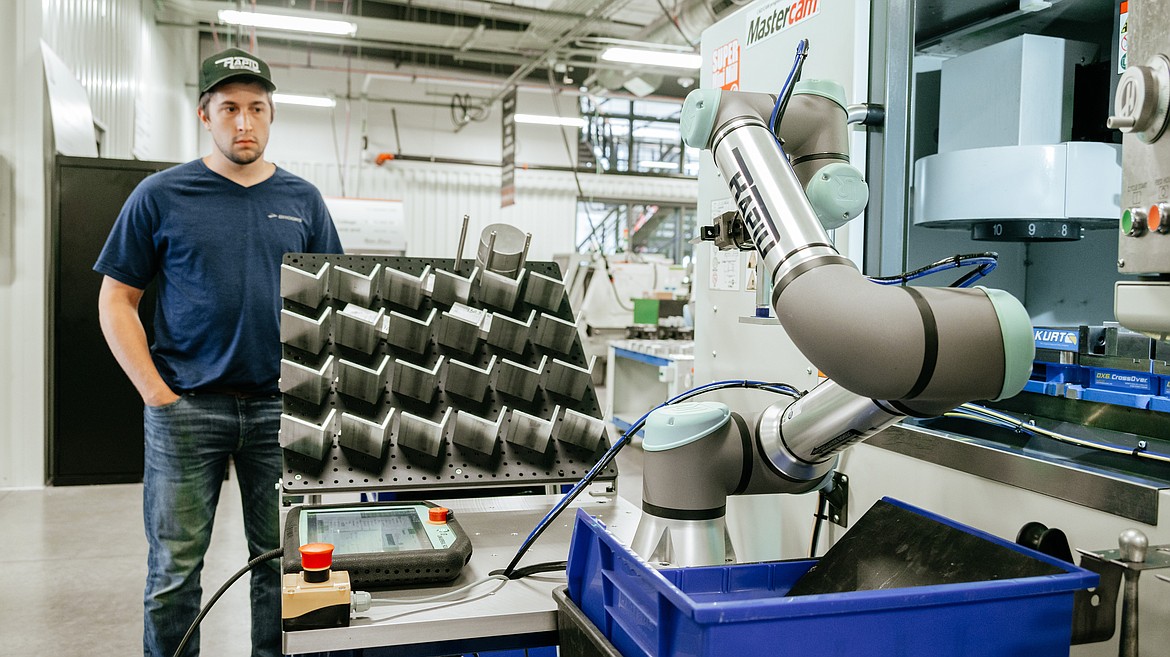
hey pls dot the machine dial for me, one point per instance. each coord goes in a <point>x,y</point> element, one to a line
<point>1142,100</point>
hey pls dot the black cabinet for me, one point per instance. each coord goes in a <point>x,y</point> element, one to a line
<point>95,415</point>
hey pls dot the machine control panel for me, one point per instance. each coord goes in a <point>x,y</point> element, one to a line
<point>1141,113</point>
<point>1141,110</point>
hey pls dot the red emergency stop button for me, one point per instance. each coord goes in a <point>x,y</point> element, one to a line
<point>316,556</point>
<point>438,514</point>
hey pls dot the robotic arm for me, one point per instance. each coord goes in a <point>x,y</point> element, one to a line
<point>889,351</point>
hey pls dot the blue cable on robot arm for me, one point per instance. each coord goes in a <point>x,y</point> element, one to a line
<point>789,85</point>
<point>985,264</point>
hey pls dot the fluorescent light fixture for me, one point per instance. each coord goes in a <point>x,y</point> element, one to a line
<point>622,128</point>
<point>310,101</point>
<point>283,22</point>
<point>658,134</point>
<point>655,164</point>
<point>653,58</point>
<point>540,119</point>
<point>437,80</point>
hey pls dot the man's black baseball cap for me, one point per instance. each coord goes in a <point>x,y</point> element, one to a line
<point>233,63</point>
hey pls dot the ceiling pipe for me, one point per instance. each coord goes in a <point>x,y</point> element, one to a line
<point>693,17</point>
<point>549,56</point>
<point>488,9</point>
<point>384,30</point>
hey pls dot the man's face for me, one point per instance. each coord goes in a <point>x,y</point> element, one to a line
<point>238,118</point>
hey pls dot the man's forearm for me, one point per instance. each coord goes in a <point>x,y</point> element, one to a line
<point>126,337</point>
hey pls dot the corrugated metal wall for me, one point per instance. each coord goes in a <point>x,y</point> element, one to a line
<point>99,40</point>
<point>120,56</point>
<point>436,196</point>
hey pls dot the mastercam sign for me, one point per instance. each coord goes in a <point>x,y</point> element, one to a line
<point>775,17</point>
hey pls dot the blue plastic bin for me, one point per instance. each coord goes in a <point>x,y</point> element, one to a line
<point>740,611</point>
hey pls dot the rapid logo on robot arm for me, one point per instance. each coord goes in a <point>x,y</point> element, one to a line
<point>751,206</point>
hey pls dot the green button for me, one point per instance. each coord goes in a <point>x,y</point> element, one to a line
<point>1127,222</point>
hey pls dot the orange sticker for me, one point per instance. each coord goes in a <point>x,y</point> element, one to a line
<point>725,66</point>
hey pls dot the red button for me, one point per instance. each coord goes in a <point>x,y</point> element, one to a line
<point>1154,219</point>
<point>316,556</point>
<point>438,514</point>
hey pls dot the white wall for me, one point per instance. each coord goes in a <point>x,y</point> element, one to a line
<point>436,196</point>
<point>22,246</point>
<point>136,77</point>
<point>134,72</point>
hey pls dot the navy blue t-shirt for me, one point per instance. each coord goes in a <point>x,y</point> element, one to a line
<point>216,248</point>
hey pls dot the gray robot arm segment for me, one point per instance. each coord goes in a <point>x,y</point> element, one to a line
<point>888,351</point>
<point>816,141</point>
<point>924,350</point>
<point>685,486</point>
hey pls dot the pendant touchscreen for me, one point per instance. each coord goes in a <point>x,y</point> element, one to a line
<point>382,544</point>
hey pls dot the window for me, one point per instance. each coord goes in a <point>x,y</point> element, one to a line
<point>637,137</point>
<point>625,227</point>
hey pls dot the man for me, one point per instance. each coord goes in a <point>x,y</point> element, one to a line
<point>212,233</point>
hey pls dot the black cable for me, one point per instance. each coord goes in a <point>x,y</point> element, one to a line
<point>454,104</point>
<point>978,272</point>
<point>674,22</point>
<point>957,259</point>
<point>613,284</point>
<point>778,388</point>
<point>510,570</point>
<point>534,569</point>
<point>267,556</point>
<point>819,514</point>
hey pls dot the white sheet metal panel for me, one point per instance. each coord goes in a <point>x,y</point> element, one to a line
<point>436,196</point>
<point>1019,183</point>
<point>133,71</point>
<point>23,249</point>
<point>98,41</point>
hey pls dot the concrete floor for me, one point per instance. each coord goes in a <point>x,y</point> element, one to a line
<point>76,565</point>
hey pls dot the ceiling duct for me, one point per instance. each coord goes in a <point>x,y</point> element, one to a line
<point>383,30</point>
<point>483,35</point>
<point>692,17</point>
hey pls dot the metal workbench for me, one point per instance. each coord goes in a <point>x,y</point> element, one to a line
<point>495,616</point>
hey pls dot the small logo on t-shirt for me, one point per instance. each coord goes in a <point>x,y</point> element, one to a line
<point>273,215</point>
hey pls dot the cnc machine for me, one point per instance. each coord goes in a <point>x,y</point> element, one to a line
<point>1004,479</point>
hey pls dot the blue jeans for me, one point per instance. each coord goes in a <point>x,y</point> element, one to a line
<point>188,445</point>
